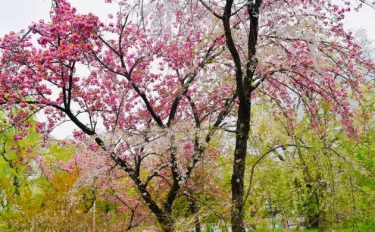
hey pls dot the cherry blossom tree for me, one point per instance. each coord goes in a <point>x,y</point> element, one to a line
<point>144,86</point>
<point>295,53</point>
<point>103,198</point>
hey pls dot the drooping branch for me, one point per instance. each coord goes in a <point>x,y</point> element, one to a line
<point>260,158</point>
<point>210,9</point>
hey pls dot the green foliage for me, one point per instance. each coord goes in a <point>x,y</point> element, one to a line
<point>60,151</point>
<point>310,176</point>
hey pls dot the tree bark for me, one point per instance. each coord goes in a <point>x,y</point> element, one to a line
<point>166,224</point>
<point>244,84</point>
<point>239,164</point>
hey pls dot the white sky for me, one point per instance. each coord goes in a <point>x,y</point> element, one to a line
<point>18,14</point>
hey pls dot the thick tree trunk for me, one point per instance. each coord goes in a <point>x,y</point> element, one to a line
<point>245,86</point>
<point>164,218</point>
<point>239,164</point>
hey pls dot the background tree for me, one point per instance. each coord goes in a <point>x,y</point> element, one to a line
<point>17,183</point>
<point>313,179</point>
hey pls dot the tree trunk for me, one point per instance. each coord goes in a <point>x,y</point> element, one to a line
<point>197,223</point>
<point>321,222</point>
<point>245,84</point>
<point>164,218</point>
<point>239,164</point>
<point>166,224</point>
<point>194,209</point>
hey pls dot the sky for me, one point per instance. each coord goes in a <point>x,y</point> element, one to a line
<point>18,14</point>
